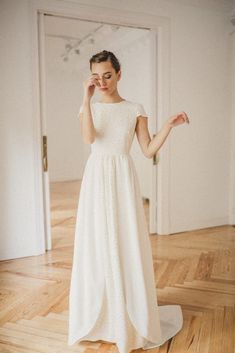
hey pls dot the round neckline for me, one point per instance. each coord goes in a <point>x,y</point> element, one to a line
<point>124,100</point>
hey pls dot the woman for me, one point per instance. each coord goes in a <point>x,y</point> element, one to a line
<point>112,292</point>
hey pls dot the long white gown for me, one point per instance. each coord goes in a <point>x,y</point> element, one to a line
<point>112,291</point>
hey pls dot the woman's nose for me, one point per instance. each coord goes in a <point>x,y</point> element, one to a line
<point>103,81</point>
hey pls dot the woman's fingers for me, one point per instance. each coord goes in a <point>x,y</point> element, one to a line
<point>186,117</point>
<point>94,81</point>
<point>179,118</point>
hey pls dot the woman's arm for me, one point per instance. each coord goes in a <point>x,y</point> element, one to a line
<point>150,146</point>
<point>86,122</point>
<point>85,116</point>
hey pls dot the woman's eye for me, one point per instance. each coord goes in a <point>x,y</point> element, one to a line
<point>108,76</point>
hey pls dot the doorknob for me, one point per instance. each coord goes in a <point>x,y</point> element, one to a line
<point>45,162</point>
<point>156,156</point>
<point>155,159</point>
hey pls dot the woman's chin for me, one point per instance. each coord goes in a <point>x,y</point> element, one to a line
<point>103,90</point>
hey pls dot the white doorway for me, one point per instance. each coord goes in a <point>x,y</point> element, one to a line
<point>149,183</point>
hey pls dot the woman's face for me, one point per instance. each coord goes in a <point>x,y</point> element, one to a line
<point>107,77</point>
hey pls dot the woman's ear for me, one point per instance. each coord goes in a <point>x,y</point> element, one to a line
<point>119,74</point>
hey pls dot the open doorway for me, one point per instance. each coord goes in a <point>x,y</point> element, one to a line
<point>65,48</point>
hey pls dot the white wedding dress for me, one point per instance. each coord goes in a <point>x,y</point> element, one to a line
<point>112,291</point>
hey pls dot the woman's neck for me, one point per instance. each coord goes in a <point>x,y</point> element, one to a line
<point>112,99</point>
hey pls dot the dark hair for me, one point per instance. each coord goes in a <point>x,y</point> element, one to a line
<point>105,55</point>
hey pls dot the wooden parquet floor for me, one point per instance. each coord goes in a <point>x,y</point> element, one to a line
<point>194,269</point>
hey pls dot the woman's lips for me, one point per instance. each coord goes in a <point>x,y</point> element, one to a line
<point>103,88</point>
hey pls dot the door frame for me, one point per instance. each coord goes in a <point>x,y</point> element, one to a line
<point>161,101</point>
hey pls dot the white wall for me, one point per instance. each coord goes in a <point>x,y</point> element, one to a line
<point>18,222</point>
<point>200,85</point>
<point>200,153</point>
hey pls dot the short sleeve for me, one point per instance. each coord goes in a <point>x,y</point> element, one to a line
<point>140,110</point>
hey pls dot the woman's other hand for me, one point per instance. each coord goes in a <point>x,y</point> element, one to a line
<point>178,119</point>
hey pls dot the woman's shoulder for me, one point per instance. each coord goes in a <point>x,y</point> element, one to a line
<point>139,108</point>
<point>135,106</point>
<point>125,101</point>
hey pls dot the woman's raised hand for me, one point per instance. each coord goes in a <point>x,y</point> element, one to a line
<point>89,86</point>
<point>178,119</point>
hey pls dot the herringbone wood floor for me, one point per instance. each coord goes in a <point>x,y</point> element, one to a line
<point>194,269</point>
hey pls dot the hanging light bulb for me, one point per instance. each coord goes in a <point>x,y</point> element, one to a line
<point>68,46</point>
